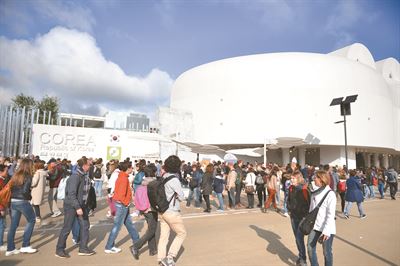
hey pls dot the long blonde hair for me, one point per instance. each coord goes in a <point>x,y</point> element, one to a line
<point>25,169</point>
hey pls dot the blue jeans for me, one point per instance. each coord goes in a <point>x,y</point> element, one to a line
<point>278,193</point>
<point>299,236</point>
<point>2,228</point>
<point>312,248</point>
<point>76,228</point>
<point>380,188</point>
<point>19,208</point>
<point>371,191</point>
<point>366,191</point>
<point>284,209</point>
<point>98,187</point>
<point>196,194</point>
<point>121,217</point>
<point>347,208</point>
<point>231,195</point>
<point>221,201</point>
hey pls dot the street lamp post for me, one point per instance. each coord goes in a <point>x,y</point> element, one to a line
<point>344,110</point>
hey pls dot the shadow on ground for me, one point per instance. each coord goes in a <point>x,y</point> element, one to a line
<point>275,246</point>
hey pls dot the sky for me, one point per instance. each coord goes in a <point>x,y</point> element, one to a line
<point>101,55</point>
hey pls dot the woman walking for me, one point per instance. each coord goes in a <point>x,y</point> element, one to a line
<point>151,217</point>
<point>298,203</point>
<point>20,196</point>
<point>270,182</point>
<point>324,227</point>
<point>38,186</point>
<point>353,194</point>
<point>206,186</point>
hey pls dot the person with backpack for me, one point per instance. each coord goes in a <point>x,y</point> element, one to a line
<point>270,183</point>
<point>99,175</point>
<point>76,194</point>
<point>392,181</point>
<point>122,197</point>
<point>149,213</point>
<point>341,188</point>
<point>3,209</point>
<point>353,194</point>
<point>171,219</point>
<point>298,203</point>
<point>20,205</point>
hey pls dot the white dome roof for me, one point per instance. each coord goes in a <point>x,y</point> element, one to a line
<point>244,100</point>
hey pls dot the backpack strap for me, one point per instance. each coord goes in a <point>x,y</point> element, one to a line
<point>320,203</point>
<point>165,181</point>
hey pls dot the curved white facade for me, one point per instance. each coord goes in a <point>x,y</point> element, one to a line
<point>248,99</point>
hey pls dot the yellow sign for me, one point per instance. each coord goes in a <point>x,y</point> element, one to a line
<point>113,152</point>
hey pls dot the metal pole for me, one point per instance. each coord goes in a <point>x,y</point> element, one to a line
<point>49,120</point>
<point>30,133</point>
<point>345,140</point>
<point>22,131</point>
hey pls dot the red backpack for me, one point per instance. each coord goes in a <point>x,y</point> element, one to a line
<point>342,186</point>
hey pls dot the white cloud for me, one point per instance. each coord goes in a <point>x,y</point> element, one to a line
<point>69,64</point>
<point>346,16</point>
<point>67,13</point>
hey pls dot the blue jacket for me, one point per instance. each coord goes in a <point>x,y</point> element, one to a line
<point>353,192</point>
<point>218,184</point>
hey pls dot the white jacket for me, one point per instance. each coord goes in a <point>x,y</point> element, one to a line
<point>325,221</point>
<point>113,179</point>
<point>250,180</point>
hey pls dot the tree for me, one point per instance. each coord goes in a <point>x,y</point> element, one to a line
<point>48,104</point>
<point>22,100</point>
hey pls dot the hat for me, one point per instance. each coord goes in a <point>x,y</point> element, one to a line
<point>52,160</point>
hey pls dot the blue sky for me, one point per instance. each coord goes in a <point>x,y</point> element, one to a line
<point>104,55</point>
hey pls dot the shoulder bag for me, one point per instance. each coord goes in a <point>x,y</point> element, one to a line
<point>307,223</point>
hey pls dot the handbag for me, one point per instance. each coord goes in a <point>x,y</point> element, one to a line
<point>5,195</point>
<point>307,223</point>
<point>250,189</point>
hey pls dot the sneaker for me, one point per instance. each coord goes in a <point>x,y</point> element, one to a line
<point>167,261</point>
<point>12,252</point>
<point>75,242</point>
<point>135,214</point>
<point>113,250</point>
<point>363,216</point>
<point>86,253</point>
<point>56,214</point>
<point>28,250</point>
<point>108,215</point>
<point>3,248</point>
<point>286,214</point>
<point>346,216</point>
<point>38,220</point>
<point>62,255</point>
<point>135,252</point>
<point>220,210</point>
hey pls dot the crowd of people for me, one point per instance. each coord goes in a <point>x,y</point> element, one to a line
<point>293,191</point>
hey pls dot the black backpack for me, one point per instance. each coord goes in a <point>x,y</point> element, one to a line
<point>156,193</point>
<point>97,173</point>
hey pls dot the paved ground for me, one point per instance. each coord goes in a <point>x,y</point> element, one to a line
<point>239,237</point>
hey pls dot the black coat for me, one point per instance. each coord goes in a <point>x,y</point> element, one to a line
<point>74,190</point>
<point>22,192</point>
<point>206,183</point>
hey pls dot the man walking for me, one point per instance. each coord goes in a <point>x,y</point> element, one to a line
<point>123,198</point>
<point>171,218</point>
<point>76,194</point>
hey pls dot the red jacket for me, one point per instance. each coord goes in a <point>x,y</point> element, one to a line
<point>123,191</point>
